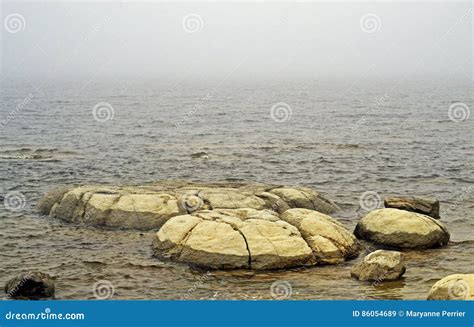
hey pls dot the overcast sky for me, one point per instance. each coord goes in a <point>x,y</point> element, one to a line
<point>241,40</point>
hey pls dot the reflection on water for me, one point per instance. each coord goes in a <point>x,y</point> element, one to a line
<point>407,147</point>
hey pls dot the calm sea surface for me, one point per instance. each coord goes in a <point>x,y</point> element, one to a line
<point>342,138</point>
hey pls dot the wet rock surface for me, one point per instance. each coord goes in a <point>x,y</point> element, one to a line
<point>255,239</point>
<point>453,287</point>
<point>149,206</point>
<point>425,206</point>
<point>380,265</point>
<point>402,229</point>
<point>31,285</point>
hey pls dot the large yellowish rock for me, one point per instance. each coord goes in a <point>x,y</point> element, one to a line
<point>114,208</point>
<point>171,237</point>
<point>275,244</point>
<point>453,287</point>
<point>330,241</point>
<point>150,206</point>
<point>213,244</point>
<point>257,239</point>
<point>402,229</point>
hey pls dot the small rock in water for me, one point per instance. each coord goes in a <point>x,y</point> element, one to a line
<point>32,285</point>
<point>379,266</point>
<point>453,287</point>
<point>429,207</point>
<point>200,155</point>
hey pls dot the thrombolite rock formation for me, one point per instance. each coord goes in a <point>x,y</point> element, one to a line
<point>150,206</point>
<point>31,285</point>
<point>257,239</point>
<point>380,265</point>
<point>429,207</point>
<point>402,229</point>
<point>453,287</point>
<point>216,225</point>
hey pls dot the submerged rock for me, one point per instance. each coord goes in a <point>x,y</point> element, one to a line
<point>256,239</point>
<point>429,207</point>
<point>453,287</point>
<point>150,206</point>
<point>402,229</point>
<point>380,265</point>
<point>200,155</point>
<point>31,285</point>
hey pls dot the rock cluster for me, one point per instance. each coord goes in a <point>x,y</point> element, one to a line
<point>252,226</point>
<point>216,225</point>
<point>257,239</point>
<point>150,206</point>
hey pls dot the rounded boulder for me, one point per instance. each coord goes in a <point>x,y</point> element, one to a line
<point>402,229</point>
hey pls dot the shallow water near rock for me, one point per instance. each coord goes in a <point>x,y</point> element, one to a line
<point>409,146</point>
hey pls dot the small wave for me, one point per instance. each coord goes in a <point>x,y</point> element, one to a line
<point>47,154</point>
<point>22,157</point>
<point>348,146</point>
<point>93,263</point>
<point>145,264</point>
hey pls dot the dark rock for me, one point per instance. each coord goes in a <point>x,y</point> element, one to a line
<point>429,207</point>
<point>31,285</point>
<point>200,155</point>
<point>47,201</point>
